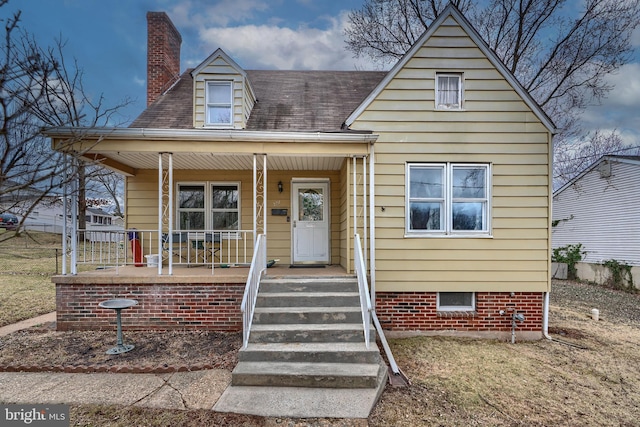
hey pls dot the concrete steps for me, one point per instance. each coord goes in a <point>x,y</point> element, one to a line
<point>308,333</point>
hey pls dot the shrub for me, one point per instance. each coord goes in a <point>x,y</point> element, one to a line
<point>570,255</point>
<point>621,277</point>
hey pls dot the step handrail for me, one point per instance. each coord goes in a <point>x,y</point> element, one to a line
<point>258,267</point>
<point>363,288</point>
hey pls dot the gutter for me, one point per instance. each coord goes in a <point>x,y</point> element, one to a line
<point>221,135</point>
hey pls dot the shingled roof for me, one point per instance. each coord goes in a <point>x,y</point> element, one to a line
<point>313,101</point>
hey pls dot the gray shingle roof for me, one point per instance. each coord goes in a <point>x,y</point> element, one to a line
<point>287,100</point>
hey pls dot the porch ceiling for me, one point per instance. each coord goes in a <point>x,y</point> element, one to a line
<point>218,161</point>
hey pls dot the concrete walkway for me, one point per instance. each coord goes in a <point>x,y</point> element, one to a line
<point>179,390</point>
<point>39,320</point>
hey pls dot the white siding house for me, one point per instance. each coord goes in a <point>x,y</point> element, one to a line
<point>600,209</point>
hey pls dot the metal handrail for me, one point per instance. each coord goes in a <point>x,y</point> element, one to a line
<point>111,246</point>
<point>363,288</point>
<point>258,267</point>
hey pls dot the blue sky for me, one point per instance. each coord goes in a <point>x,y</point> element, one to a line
<point>108,38</point>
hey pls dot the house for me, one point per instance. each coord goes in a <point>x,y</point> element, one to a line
<point>437,172</point>
<point>48,216</point>
<point>598,209</point>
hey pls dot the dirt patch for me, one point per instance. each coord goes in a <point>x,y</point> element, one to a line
<point>566,332</point>
<point>46,349</point>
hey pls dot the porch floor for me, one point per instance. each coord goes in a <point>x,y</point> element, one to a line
<point>198,274</point>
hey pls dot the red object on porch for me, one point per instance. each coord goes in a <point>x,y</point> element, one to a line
<point>136,249</point>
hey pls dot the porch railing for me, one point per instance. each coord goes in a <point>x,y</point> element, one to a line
<point>363,287</point>
<point>258,267</point>
<point>104,248</point>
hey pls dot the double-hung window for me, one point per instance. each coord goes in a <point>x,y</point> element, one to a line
<point>225,212</point>
<point>191,206</point>
<point>447,199</point>
<point>449,91</point>
<point>219,103</point>
<point>209,206</point>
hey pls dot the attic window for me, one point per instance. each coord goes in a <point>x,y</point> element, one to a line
<point>448,91</point>
<point>219,103</point>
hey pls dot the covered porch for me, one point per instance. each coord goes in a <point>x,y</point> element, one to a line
<point>201,198</point>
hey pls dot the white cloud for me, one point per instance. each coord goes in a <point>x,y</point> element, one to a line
<point>221,13</point>
<point>271,46</point>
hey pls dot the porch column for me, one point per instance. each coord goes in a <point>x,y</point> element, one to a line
<point>372,228</point>
<point>165,208</point>
<point>70,213</point>
<point>259,195</point>
<point>360,212</point>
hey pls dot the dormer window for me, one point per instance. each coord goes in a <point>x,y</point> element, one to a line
<point>448,91</point>
<point>219,103</point>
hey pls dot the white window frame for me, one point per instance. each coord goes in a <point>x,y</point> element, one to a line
<point>210,104</point>
<point>444,106</point>
<point>471,307</point>
<point>208,208</point>
<point>447,201</point>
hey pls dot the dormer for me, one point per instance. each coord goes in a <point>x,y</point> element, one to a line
<point>222,95</point>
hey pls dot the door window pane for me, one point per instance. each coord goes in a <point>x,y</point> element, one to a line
<point>310,204</point>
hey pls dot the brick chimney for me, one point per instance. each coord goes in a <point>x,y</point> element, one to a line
<point>163,54</point>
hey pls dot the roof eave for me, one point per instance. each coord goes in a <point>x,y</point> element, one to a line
<point>214,135</point>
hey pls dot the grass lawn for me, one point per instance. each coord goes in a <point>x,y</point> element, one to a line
<point>27,263</point>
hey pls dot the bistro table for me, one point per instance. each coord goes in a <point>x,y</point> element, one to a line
<point>118,305</point>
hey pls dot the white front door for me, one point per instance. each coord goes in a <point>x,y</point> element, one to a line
<point>310,206</point>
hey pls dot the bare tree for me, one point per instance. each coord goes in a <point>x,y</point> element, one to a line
<point>39,89</point>
<point>560,56</point>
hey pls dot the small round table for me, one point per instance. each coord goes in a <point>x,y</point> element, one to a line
<point>118,304</point>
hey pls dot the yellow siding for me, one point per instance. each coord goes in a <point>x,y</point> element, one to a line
<point>495,126</point>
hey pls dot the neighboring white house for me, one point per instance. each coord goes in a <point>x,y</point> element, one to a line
<point>600,208</point>
<point>48,216</point>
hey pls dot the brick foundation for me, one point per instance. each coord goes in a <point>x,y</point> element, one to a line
<point>211,306</point>
<point>416,311</point>
<point>216,307</point>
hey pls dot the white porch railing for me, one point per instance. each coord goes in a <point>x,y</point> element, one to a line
<point>363,287</point>
<point>113,248</point>
<point>258,267</point>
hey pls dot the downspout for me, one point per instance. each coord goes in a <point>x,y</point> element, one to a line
<point>545,316</point>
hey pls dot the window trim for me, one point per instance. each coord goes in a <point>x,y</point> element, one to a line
<point>450,308</point>
<point>208,202</point>
<point>209,104</point>
<point>448,230</point>
<point>444,107</point>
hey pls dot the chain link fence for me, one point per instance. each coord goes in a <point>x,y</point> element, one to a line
<point>38,254</point>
